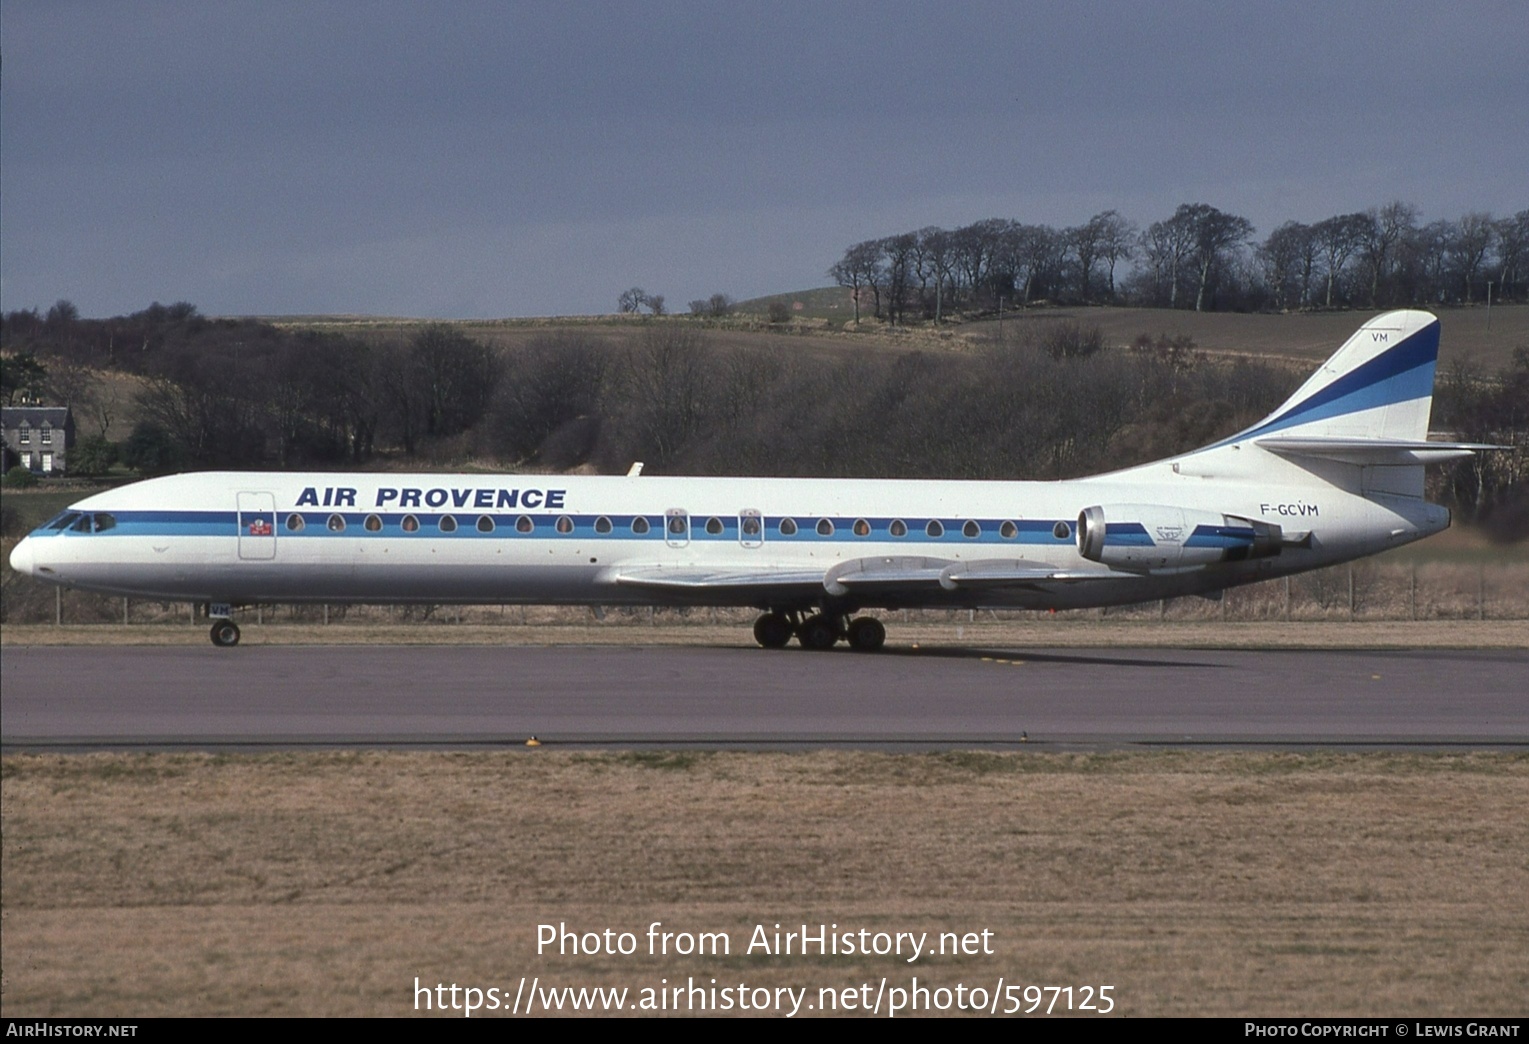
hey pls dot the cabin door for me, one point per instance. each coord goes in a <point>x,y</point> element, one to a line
<point>750,528</point>
<point>257,526</point>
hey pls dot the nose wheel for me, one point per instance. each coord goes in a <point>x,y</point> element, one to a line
<point>225,633</point>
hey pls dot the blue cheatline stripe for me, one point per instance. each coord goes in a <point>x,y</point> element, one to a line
<point>1126,534</point>
<point>1399,374</point>
<point>315,525</point>
<point>1220,536</point>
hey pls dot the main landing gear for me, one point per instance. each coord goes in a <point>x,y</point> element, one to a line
<point>225,633</point>
<point>819,631</point>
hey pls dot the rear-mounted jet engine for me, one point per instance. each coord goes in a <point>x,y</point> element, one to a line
<point>1153,537</point>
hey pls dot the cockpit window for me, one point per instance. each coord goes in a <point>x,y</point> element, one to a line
<point>81,524</point>
<point>62,521</point>
<point>104,522</point>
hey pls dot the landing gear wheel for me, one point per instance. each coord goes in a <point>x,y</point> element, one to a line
<point>818,632</point>
<point>867,634</point>
<point>225,633</point>
<point>772,631</point>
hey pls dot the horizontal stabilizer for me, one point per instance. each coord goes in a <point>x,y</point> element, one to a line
<point>1358,450</point>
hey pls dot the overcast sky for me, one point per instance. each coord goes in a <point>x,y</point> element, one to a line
<point>513,159</point>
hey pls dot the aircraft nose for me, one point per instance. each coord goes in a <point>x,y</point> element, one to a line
<point>21,556</point>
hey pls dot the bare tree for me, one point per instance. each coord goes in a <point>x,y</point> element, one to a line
<point>861,269</point>
<point>1166,245</point>
<point>1117,242</point>
<point>1088,244</point>
<point>1384,229</point>
<point>1468,246</point>
<point>1281,257</point>
<point>1214,233</point>
<point>1338,238</point>
<point>632,301</point>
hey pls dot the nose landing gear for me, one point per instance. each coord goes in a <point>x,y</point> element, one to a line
<point>225,633</point>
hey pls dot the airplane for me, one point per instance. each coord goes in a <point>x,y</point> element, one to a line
<point>1335,473</point>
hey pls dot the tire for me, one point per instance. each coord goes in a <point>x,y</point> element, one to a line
<point>772,631</point>
<point>818,632</point>
<point>225,633</point>
<point>867,634</point>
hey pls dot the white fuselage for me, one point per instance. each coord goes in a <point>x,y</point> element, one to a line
<point>258,537</point>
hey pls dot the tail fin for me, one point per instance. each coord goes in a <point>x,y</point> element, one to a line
<point>1379,385</point>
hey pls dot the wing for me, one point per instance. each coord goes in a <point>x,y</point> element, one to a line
<point>908,579</point>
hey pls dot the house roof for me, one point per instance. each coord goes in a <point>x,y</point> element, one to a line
<point>35,416</point>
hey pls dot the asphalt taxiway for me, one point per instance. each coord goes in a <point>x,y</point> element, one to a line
<point>83,698</point>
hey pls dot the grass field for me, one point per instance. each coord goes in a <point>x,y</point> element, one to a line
<point>1305,338</point>
<point>1191,883</point>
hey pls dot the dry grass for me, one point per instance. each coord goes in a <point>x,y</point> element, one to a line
<point>1194,883</point>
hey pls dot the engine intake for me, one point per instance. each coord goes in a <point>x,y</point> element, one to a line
<point>1152,537</point>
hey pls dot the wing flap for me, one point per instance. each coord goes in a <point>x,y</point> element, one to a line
<point>700,579</point>
<point>1022,572</point>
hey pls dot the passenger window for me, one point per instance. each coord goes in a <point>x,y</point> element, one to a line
<point>934,529</point>
<point>295,523</point>
<point>602,525</point>
<point>862,527</point>
<point>373,524</point>
<point>336,523</point>
<point>1008,531</point>
<point>565,524</point>
<point>640,525</point>
<point>750,526</point>
<point>410,524</point>
<point>677,525</point>
<point>523,524</point>
<point>788,527</point>
<point>1061,531</point>
<point>485,524</point>
<point>898,528</point>
<point>714,526</point>
<point>971,530</point>
<point>448,524</point>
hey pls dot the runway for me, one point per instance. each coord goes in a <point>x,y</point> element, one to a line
<point>82,698</point>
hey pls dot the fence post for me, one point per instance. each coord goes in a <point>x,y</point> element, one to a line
<point>58,607</point>
<point>1287,597</point>
<point>124,612</point>
<point>1351,591</point>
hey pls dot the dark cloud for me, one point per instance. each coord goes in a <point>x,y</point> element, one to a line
<point>493,159</point>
